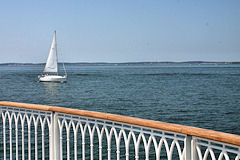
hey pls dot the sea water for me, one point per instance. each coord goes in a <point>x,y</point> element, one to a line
<point>206,96</point>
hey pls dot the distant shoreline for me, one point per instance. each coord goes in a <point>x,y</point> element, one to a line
<point>120,64</point>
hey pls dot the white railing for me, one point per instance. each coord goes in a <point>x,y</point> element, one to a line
<point>42,132</point>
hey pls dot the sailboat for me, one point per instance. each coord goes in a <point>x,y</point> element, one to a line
<point>51,68</point>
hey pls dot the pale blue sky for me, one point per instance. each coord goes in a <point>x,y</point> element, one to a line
<point>120,30</point>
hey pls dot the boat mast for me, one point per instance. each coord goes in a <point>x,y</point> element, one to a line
<point>56,48</point>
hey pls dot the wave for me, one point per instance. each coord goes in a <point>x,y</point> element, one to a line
<point>176,74</point>
<point>83,74</point>
<point>162,74</point>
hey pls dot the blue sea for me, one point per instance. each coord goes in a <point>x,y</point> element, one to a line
<point>206,96</point>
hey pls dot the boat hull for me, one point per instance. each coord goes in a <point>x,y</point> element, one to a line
<point>52,78</point>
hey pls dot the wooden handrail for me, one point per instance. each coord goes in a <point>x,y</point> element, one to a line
<point>192,131</point>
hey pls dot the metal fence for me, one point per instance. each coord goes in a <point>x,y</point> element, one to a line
<point>48,134</point>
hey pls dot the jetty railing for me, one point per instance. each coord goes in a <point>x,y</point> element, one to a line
<point>30,131</point>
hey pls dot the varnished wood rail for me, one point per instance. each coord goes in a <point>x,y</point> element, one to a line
<point>61,128</point>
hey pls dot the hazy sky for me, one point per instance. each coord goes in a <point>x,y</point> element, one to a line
<point>120,30</point>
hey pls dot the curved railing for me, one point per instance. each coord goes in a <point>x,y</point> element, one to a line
<point>30,131</point>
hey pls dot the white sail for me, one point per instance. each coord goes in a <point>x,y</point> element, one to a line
<point>52,61</point>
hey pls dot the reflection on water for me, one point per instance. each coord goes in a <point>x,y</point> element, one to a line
<point>50,88</point>
<point>51,91</point>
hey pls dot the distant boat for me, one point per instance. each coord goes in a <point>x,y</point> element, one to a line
<point>51,68</point>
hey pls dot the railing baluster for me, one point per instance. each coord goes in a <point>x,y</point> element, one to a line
<point>188,148</point>
<point>109,145</point>
<point>83,145</point>
<point>4,136</point>
<point>117,141</point>
<point>55,137</point>
<point>29,137</point>
<point>238,156</point>
<point>36,143</point>
<point>10,135</point>
<point>91,134</point>
<point>22,125</point>
<point>60,126</point>
<point>51,138</point>
<point>61,148</point>
<point>75,131</point>
<point>137,143</point>
<point>42,130</point>
<point>68,138</point>
<point>100,138</point>
<point>16,134</point>
<point>193,149</point>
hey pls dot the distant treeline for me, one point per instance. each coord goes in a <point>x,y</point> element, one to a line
<point>123,64</point>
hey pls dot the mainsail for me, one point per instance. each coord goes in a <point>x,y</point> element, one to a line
<point>52,61</point>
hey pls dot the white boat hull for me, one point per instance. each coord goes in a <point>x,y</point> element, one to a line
<point>52,78</point>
